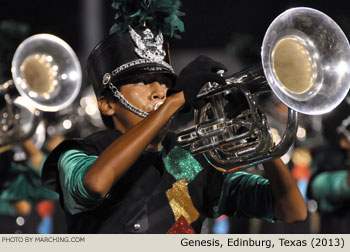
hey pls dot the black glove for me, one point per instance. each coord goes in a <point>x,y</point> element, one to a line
<point>191,79</point>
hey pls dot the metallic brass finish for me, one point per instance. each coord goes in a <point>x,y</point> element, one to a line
<point>46,72</point>
<point>46,76</point>
<point>305,63</point>
<point>293,65</point>
<point>39,74</point>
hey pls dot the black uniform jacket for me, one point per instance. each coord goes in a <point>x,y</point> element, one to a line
<point>139,202</point>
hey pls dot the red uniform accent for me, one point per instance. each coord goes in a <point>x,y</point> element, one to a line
<point>181,226</point>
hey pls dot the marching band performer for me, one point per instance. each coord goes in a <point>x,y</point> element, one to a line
<point>132,177</point>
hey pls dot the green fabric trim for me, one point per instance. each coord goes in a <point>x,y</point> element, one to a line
<point>26,186</point>
<point>246,195</point>
<point>72,166</point>
<point>6,208</point>
<point>181,164</point>
<point>331,189</point>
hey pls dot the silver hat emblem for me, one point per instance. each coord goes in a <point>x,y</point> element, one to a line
<point>148,47</point>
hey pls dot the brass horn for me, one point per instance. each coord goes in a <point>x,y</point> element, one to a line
<point>304,62</point>
<point>18,119</point>
<point>46,76</point>
<point>46,72</point>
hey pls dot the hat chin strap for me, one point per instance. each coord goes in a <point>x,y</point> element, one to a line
<point>125,103</point>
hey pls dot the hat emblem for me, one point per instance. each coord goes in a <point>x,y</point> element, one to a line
<point>148,46</point>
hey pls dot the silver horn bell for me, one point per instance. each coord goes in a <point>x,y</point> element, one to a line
<point>46,76</point>
<point>305,59</point>
<point>46,72</point>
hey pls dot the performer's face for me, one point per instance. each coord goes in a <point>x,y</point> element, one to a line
<point>143,92</point>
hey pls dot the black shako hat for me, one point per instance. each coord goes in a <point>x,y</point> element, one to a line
<point>119,56</point>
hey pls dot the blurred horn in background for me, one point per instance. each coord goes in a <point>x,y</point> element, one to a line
<point>304,63</point>
<point>46,76</point>
<point>46,72</point>
<point>81,119</point>
<point>88,109</point>
<point>18,119</point>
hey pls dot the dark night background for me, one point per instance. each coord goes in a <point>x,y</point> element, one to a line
<point>210,26</point>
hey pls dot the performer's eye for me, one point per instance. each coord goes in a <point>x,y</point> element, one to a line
<point>166,82</point>
<point>139,82</point>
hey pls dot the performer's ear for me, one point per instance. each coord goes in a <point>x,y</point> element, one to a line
<point>105,106</point>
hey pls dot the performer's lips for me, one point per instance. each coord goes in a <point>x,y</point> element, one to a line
<point>157,105</point>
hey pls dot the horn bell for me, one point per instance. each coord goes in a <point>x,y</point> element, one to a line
<point>305,59</point>
<point>46,72</point>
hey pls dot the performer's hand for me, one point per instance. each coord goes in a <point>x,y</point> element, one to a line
<point>191,79</point>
